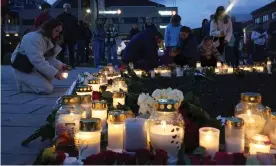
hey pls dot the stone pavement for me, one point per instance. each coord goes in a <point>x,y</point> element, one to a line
<point>22,114</point>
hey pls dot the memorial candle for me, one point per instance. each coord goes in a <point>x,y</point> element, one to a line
<point>138,72</point>
<point>95,84</point>
<point>118,98</point>
<point>84,90</point>
<point>259,143</point>
<point>86,103</point>
<point>209,139</point>
<point>219,64</point>
<point>99,110</point>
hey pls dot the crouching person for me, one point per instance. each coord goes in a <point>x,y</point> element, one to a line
<point>209,54</point>
<point>34,59</point>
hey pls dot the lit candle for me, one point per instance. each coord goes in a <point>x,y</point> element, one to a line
<point>84,90</point>
<point>110,68</point>
<point>116,123</point>
<point>102,78</point>
<point>209,139</point>
<point>260,69</point>
<point>269,66</point>
<point>89,137</point>
<point>157,70</point>
<point>95,84</point>
<point>216,70</point>
<point>230,70</point>
<point>119,84</point>
<point>99,110</point>
<point>65,74</point>
<point>86,103</point>
<point>67,120</point>
<point>198,65</point>
<point>259,143</point>
<point>165,72</point>
<point>104,71</point>
<point>166,137</point>
<point>234,135</point>
<point>254,124</point>
<point>138,72</point>
<point>218,64</point>
<point>118,98</point>
<point>135,136</point>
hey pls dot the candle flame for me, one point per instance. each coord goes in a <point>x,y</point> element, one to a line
<point>249,113</point>
<point>209,136</point>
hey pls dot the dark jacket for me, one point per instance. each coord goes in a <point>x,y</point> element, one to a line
<point>81,32</point>
<point>133,32</point>
<point>98,34</point>
<point>41,19</point>
<point>70,26</point>
<point>151,26</point>
<point>188,48</point>
<point>142,51</point>
<point>272,32</point>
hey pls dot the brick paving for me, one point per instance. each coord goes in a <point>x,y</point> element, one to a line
<point>23,113</point>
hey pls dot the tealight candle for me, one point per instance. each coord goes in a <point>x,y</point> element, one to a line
<point>135,136</point>
<point>118,98</point>
<point>116,123</point>
<point>65,74</point>
<point>230,70</point>
<point>89,137</point>
<point>218,64</point>
<point>209,139</point>
<point>138,72</point>
<point>259,143</point>
<point>99,110</point>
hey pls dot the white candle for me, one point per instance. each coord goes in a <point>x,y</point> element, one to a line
<point>198,65</point>
<point>102,114</point>
<point>254,124</point>
<point>218,64</point>
<point>165,73</point>
<point>216,70</point>
<point>83,93</point>
<point>87,110</point>
<point>115,136</point>
<point>69,123</point>
<point>117,100</point>
<point>89,144</point>
<point>65,74</point>
<point>138,72</point>
<point>209,139</point>
<point>269,65</point>
<point>259,143</point>
<point>230,70</point>
<point>234,145</point>
<point>260,69</point>
<point>135,136</point>
<point>166,137</point>
<point>95,87</point>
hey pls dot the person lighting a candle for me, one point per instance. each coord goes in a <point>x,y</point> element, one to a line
<point>208,52</point>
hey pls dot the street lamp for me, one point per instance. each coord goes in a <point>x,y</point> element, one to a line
<point>88,11</point>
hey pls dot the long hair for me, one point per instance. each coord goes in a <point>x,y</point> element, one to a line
<point>216,16</point>
<point>47,28</point>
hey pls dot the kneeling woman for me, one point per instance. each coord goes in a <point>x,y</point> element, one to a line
<point>208,52</point>
<point>34,59</point>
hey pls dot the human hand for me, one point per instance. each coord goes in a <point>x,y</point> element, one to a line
<point>66,67</point>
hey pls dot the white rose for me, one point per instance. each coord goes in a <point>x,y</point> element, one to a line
<point>143,109</point>
<point>179,95</point>
<point>142,98</point>
<point>150,101</point>
<point>156,94</point>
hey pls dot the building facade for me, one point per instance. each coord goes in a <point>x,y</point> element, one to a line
<point>265,15</point>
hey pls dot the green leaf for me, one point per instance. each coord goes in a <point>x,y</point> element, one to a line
<point>189,96</point>
<point>187,160</point>
<point>199,151</point>
<point>107,95</point>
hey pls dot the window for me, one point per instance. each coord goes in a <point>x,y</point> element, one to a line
<point>265,18</point>
<point>28,22</point>
<point>257,20</point>
<point>273,15</point>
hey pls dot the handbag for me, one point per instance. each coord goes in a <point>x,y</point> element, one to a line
<point>22,63</point>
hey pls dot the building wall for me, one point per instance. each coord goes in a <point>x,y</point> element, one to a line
<point>260,16</point>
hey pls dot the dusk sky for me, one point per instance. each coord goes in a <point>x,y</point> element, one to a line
<point>194,11</point>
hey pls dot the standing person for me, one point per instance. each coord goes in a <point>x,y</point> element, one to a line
<point>221,29</point>
<point>43,16</point>
<point>134,30</point>
<point>259,37</point>
<point>230,56</point>
<point>81,42</point>
<point>34,59</point>
<point>171,39</point>
<point>110,42</point>
<point>70,24</point>
<point>203,29</point>
<point>142,50</point>
<point>149,24</point>
<point>186,52</point>
<point>98,42</point>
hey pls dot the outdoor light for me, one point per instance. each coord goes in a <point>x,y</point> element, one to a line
<point>7,35</point>
<point>88,11</point>
<point>231,5</point>
<point>39,7</point>
<point>111,12</point>
<point>16,34</point>
<point>166,13</point>
<point>162,26</point>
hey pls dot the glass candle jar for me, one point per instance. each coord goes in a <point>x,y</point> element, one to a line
<point>118,98</point>
<point>165,72</point>
<point>138,72</point>
<point>135,135</point>
<point>209,139</point>
<point>104,71</point>
<point>84,90</point>
<point>259,143</point>
<point>251,111</point>
<point>89,137</point>
<point>234,135</point>
<point>99,110</point>
<point>95,84</point>
<point>110,67</point>
<point>166,128</point>
<point>86,103</point>
<point>102,78</point>
<point>116,123</point>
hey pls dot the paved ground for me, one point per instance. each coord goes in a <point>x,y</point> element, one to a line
<point>22,114</point>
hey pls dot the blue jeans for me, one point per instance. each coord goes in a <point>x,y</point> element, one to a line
<point>98,47</point>
<point>111,52</point>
